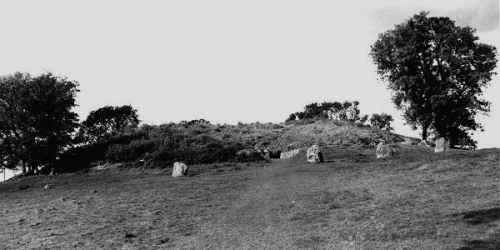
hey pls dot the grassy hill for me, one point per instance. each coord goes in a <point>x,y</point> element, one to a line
<point>200,142</point>
<point>330,133</point>
<point>416,200</point>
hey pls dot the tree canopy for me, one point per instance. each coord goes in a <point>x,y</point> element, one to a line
<point>36,119</point>
<point>437,71</point>
<point>108,121</point>
<point>344,111</point>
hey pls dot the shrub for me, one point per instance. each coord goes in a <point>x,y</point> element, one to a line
<point>81,157</point>
<point>363,120</point>
<point>193,142</point>
<point>131,152</point>
<point>196,153</point>
<point>291,117</point>
<point>346,111</point>
<point>381,121</point>
<point>248,155</point>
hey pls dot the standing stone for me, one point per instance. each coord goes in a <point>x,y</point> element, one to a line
<point>180,169</point>
<point>314,154</point>
<point>383,150</point>
<point>442,145</point>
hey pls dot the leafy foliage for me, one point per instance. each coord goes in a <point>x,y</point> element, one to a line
<point>346,111</point>
<point>36,119</point>
<point>437,71</point>
<point>82,156</point>
<point>201,149</point>
<point>133,151</point>
<point>192,142</point>
<point>381,121</point>
<point>108,121</point>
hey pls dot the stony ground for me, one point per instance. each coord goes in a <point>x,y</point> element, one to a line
<point>417,200</point>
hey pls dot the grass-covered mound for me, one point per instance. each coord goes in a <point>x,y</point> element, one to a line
<point>324,132</point>
<point>200,142</point>
<point>194,142</point>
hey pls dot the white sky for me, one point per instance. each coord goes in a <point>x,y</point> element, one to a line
<point>225,61</point>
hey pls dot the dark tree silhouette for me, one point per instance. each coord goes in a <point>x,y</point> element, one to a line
<point>108,121</point>
<point>437,72</point>
<point>36,119</point>
<point>291,117</point>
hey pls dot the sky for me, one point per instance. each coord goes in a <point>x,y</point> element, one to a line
<point>224,61</point>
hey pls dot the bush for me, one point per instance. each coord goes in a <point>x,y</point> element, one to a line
<point>248,155</point>
<point>192,142</point>
<point>362,121</point>
<point>196,153</point>
<point>291,117</point>
<point>131,152</point>
<point>346,111</point>
<point>381,121</point>
<point>81,157</point>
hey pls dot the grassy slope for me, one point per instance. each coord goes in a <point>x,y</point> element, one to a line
<point>327,132</point>
<point>416,200</point>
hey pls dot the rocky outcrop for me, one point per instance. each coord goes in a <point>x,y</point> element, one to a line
<point>314,154</point>
<point>180,169</point>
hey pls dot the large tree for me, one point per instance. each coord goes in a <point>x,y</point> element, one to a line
<point>36,119</point>
<point>437,71</point>
<point>108,121</point>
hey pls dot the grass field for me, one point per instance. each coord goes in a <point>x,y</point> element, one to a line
<point>416,200</point>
